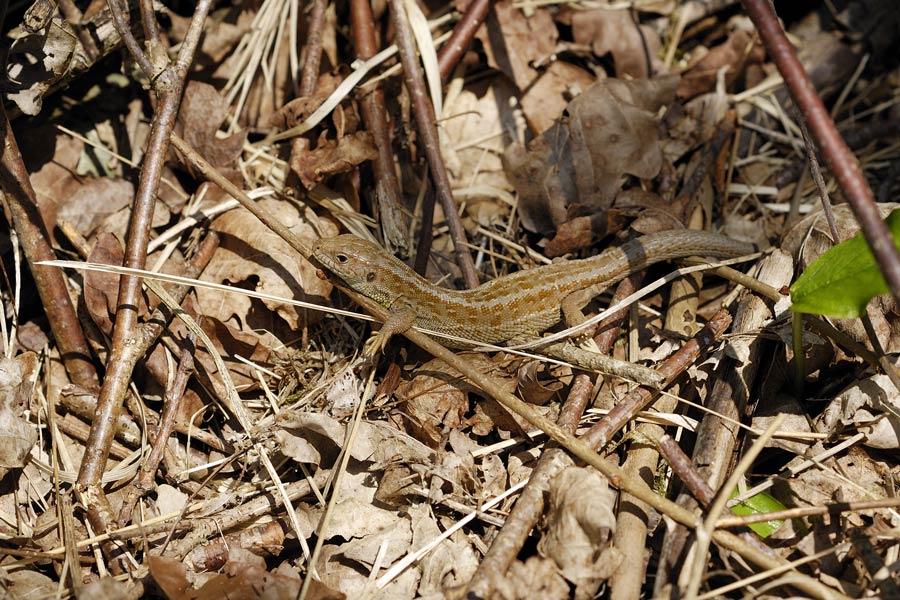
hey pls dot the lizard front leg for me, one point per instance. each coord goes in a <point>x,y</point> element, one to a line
<point>402,317</point>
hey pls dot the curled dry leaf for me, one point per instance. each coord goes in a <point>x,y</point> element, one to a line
<point>871,405</point>
<point>331,158</point>
<point>614,31</point>
<point>513,41</point>
<point>250,254</point>
<point>611,131</point>
<point>36,62</point>
<point>202,112</point>
<point>17,380</point>
<point>580,522</point>
<point>434,400</point>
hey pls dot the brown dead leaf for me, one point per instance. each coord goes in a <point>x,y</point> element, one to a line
<point>871,405</point>
<point>436,399</point>
<point>740,49</point>
<point>537,577</point>
<point>513,41</point>
<point>250,254</point>
<point>230,344</point>
<point>611,131</point>
<point>93,201</point>
<point>101,290</point>
<point>299,109</point>
<point>476,121</point>
<point>331,158</point>
<point>580,523</point>
<point>545,100</point>
<point>17,380</point>
<point>614,31</point>
<point>171,576</point>
<point>36,62</point>
<point>202,112</point>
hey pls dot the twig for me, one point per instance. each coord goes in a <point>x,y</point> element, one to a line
<point>387,198</point>
<point>169,86</point>
<point>425,125</point>
<point>310,75</point>
<point>463,34</point>
<point>51,284</point>
<point>816,173</point>
<point>624,411</point>
<point>530,504</point>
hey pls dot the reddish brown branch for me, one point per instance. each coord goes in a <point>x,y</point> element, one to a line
<point>626,409</point>
<point>310,74</point>
<point>50,283</point>
<point>388,201</point>
<point>461,38</point>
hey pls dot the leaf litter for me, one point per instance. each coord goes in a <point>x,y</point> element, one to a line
<point>562,125</point>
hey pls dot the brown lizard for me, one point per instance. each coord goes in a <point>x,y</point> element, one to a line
<point>516,307</point>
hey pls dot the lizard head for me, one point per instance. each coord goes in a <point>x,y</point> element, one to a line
<point>362,266</point>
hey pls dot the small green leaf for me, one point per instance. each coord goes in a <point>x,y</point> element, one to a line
<point>842,281</point>
<point>760,503</point>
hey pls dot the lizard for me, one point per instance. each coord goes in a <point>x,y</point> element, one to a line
<point>512,307</point>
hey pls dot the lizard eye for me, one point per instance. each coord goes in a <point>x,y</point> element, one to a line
<point>370,276</point>
<point>342,258</point>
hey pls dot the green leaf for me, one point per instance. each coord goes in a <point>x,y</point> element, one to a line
<point>842,281</point>
<point>760,503</point>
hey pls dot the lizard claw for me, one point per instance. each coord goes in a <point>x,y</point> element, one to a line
<point>377,343</point>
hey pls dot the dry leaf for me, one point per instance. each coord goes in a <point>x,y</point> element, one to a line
<point>615,31</point>
<point>580,523</point>
<point>202,112</point>
<point>513,41</point>
<point>36,62</point>
<point>251,254</point>
<point>611,131</point>
<point>331,158</point>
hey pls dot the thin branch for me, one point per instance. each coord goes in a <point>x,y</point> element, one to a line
<point>837,154</point>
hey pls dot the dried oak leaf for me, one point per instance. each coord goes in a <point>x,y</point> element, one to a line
<point>871,405</point>
<point>614,31</point>
<point>537,577</point>
<point>545,100</point>
<point>250,253</point>
<point>739,50</point>
<point>611,131</point>
<point>36,62</point>
<point>94,201</point>
<point>231,344</point>
<point>17,379</point>
<point>580,523</point>
<point>434,400</point>
<point>203,110</point>
<point>101,290</point>
<point>512,41</point>
<point>331,158</point>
